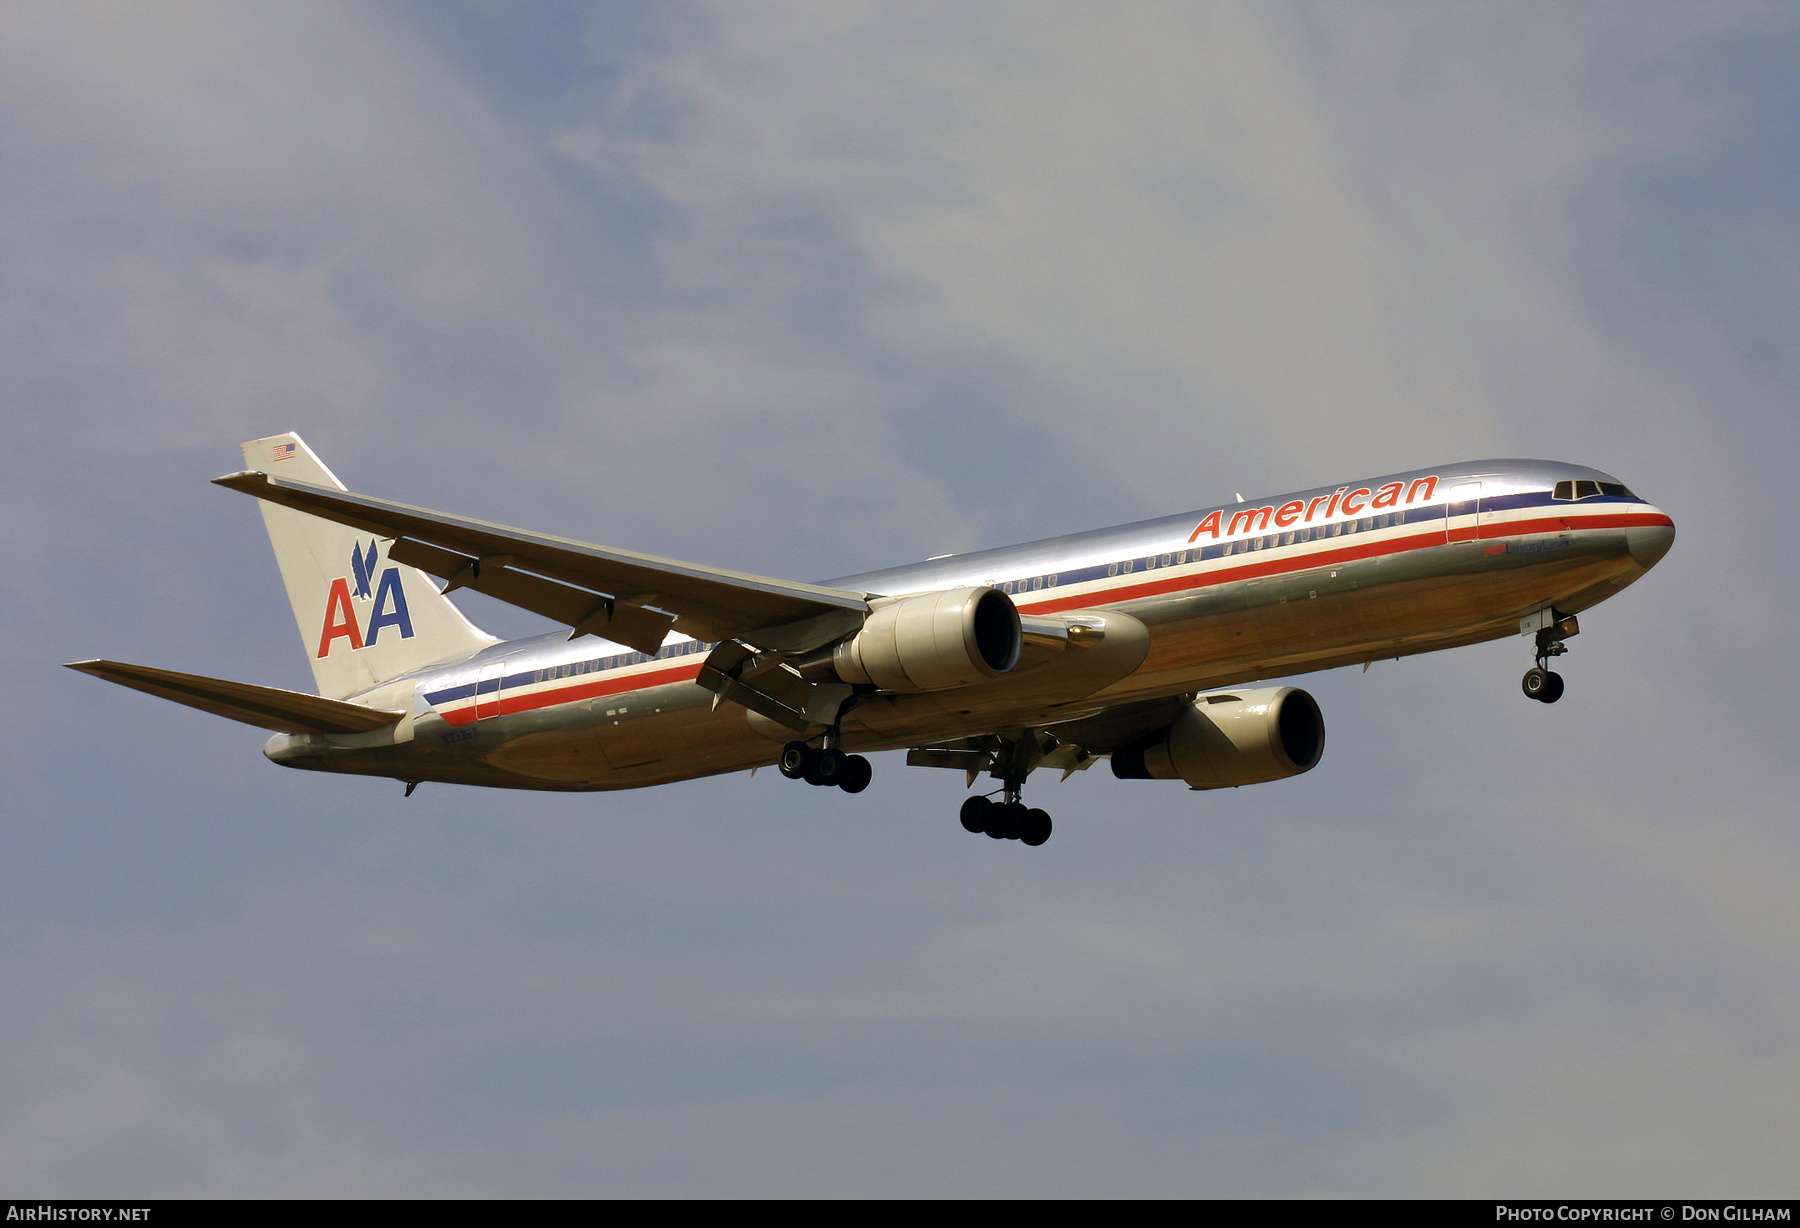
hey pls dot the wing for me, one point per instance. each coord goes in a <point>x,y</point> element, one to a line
<point>630,598</point>
<point>266,707</point>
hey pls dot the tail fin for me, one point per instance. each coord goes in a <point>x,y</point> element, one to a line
<point>362,620</point>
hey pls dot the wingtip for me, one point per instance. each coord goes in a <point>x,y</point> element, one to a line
<point>241,479</point>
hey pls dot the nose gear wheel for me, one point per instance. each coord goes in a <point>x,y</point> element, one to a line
<point>1540,681</point>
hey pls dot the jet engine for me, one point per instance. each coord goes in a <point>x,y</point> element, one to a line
<point>1227,740</point>
<point>933,641</point>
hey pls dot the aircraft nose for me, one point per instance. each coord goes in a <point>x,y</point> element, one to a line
<point>1648,543</point>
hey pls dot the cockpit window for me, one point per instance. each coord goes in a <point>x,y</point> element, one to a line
<point>1587,488</point>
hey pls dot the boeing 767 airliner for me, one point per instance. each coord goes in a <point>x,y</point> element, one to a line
<point>1135,644</point>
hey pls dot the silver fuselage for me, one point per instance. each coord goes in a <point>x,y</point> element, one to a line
<point>1388,567</point>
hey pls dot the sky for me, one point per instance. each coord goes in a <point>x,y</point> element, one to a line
<point>806,290</point>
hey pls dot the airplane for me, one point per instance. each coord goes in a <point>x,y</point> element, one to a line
<point>1136,644</point>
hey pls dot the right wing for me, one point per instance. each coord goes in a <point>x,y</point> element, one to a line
<point>633,599</point>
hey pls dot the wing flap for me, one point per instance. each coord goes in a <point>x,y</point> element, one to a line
<point>586,611</point>
<point>707,602</point>
<point>266,707</point>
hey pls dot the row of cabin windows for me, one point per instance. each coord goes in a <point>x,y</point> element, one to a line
<point>620,660</point>
<point>1152,561</point>
<point>1027,586</point>
<point>1586,488</point>
<point>1316,533</point>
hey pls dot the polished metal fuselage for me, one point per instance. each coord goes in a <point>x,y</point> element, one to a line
<point>1403,564</point>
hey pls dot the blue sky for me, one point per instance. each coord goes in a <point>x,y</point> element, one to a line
<point>812,289</point>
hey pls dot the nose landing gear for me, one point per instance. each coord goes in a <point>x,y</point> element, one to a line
<point>1540,682</point>
<point>1543,685</point>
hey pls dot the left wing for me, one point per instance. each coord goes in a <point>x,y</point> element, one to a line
<point>266,707</point>
<point>630,598</point>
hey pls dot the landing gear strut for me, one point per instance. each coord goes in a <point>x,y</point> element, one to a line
<point>827,766</point>
<point>1540,682</point>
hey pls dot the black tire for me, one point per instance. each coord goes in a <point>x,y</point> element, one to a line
<point>796,758</point>
<point>857,774</point>
<point>975,812</point>
<point>1534,683</point>
<point>1036,828</point>
<point>1553,690</point>
<point>827,768</point>
<point>1006,821</point>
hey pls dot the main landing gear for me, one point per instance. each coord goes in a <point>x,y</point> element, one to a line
<point>826,767</point>
<point>1008,818</point>
<point>1005,820</point>
<point>1540,682</point>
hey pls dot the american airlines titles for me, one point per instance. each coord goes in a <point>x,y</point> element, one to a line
<point>1344,501</point>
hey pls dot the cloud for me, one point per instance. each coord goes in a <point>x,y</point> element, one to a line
<point>1229,232</point>
<point>223,206</point>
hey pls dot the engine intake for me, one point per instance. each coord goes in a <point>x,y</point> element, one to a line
<point>933,642</point>
<point>1239,738</point>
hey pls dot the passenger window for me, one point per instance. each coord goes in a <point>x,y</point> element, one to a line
<point>1129,564</point>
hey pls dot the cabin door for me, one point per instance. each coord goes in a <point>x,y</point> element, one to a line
<point>1462,515</point>
<point>487,690</point>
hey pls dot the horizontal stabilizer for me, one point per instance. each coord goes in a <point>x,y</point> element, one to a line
<point>264,706</point>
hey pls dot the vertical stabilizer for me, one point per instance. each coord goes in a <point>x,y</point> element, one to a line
<point>363,619</point>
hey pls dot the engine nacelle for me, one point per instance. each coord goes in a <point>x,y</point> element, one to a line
<point>934,641</point>
<point>1230,739</point>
